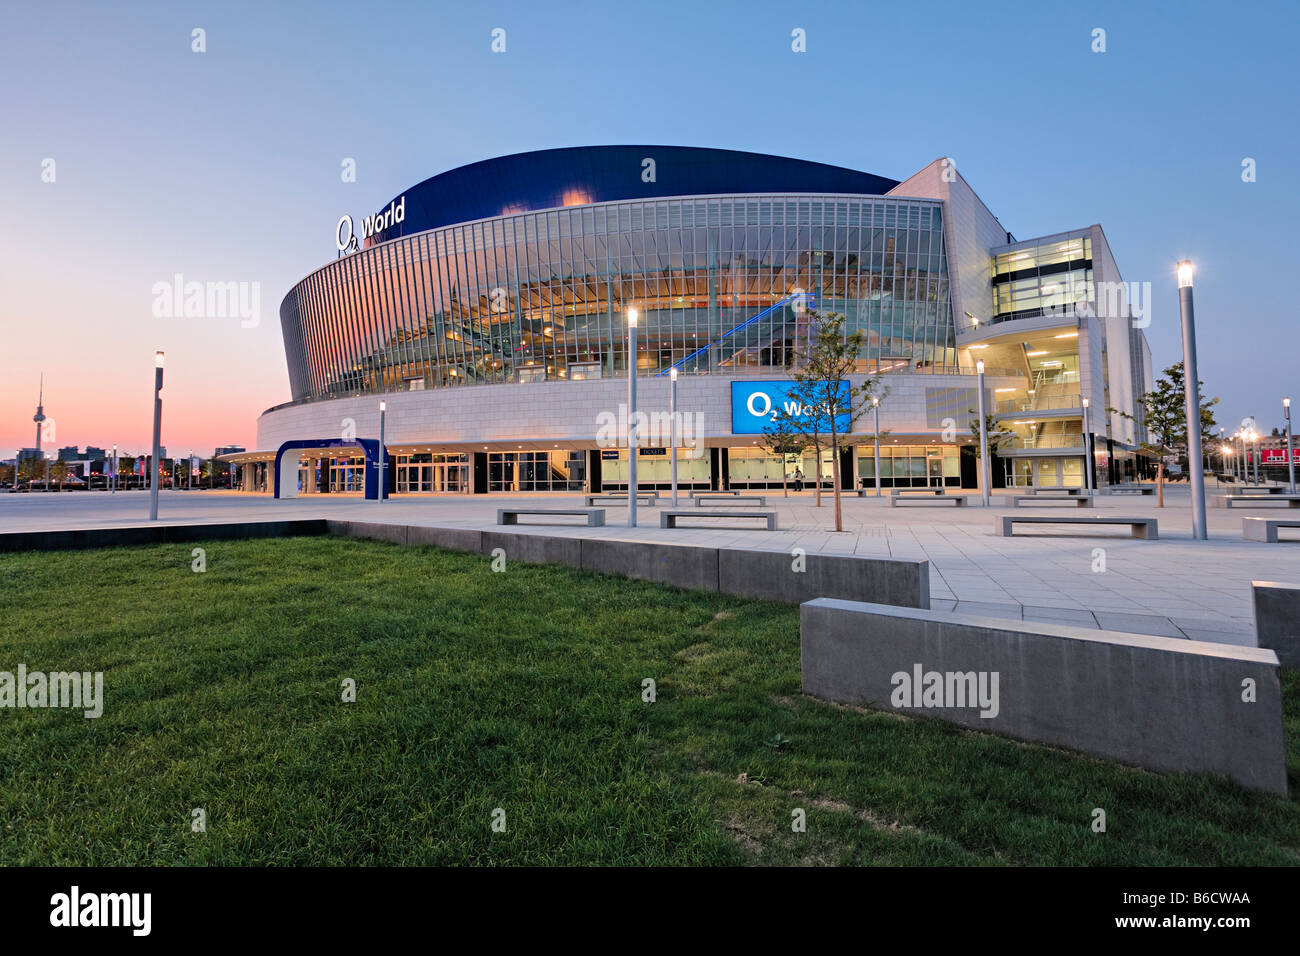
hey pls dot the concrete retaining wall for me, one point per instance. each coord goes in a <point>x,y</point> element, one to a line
<point>772,576</point>
<point>1277,619</point>
<point>1162,703</point>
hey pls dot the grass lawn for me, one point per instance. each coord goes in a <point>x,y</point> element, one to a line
<point>519,690</point>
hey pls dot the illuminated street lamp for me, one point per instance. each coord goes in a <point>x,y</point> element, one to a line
<point>1087,448</point>
<point>985,471</point>
<point>875,403</point>
<point>157,434</point>
<point>383,456</point>
<point>1192,399</point>
<point>1290,462</point>
<point>631,417</point>
<point>672,426</point>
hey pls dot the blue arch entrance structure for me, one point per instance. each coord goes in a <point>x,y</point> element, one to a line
<point>369,448</point>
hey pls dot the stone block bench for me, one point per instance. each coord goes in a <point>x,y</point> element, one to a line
<point>695,494</point>
<point>1277,618</point>
<point>669,518</point>
<point>595,516</point>
<point>1132,490</point>
<point>957,501</point>
<point>899,492</point>
<point>1255,501</point>
<point>1166,704</point>
<point>1266,529</point>
<point>1141,527</point>
<point>727,499</point>
<point>1079,501</point>
<point>651,498</point>
<point>1260,489</point>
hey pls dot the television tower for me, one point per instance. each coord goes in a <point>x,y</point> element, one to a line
<point>39,417</point>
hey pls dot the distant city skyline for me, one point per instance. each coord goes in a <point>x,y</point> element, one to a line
<point>132,160</point>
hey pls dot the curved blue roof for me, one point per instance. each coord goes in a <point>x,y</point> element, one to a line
<point>579,175</point>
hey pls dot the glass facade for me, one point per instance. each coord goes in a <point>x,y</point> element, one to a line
<point>910,466</point>
<point>1046,279</point>
<point>542,296</point>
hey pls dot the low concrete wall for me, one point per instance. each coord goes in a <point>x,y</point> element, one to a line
<point>454,539</point>
<point>1277,619</point>
<point>1162,703</point>
<point>534,548</point>
<point>372,530</point>
<point>679,565</point>
<point>771,576</point>
<point>156,534</point>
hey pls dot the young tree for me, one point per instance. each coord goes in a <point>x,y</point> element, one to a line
<point>996,436</point>
<point>1165,416</point>
<point>31,469</point>
<point>783,439</point>
<point>823,405</point>
<point>58,472</point>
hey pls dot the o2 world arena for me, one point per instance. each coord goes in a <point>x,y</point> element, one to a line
<point>486,310</point>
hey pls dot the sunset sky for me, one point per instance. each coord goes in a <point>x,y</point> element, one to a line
<point>224,166</point>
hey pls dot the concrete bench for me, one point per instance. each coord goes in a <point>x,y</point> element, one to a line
<point>1266,529</point>
<point>1142,527</point>
<point>1131,490</point>
<point>651,498</point>
<point>1167,704</point>
<point>1260,489</point>
<point>668,519</point>
<point>595,516</point>
<point>759,500</point>
<point>899,492</point>
<point>957,501</point>
<point>1277,618</point>
<point>695,494</point>
<point>1254,501</point>
<point>1032,490</point>
<point>1079,501</point>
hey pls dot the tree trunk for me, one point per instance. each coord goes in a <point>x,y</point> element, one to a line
<point>817,477</point>
<point>1160,485</point>
<point>835,488</point>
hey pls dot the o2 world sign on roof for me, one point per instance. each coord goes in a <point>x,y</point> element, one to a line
<point>345,234</point>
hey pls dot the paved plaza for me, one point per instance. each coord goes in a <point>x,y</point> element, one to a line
<point>1174,586</point>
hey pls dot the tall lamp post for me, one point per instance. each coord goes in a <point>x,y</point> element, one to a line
<point>672,426</point>
<point>1087,447</point>
<point>985,471</point>
<point>1192,399</point>
<point>157,434</point>
<point>113,486</point>
<point>1223,464</point>
<point>383,455</point>
<point>1290,462</point>
<point>631,418</point>
<point>875,403</point>
<point>1254,452</point>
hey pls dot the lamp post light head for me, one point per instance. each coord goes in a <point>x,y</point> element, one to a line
<point>1185,274</point>
<point>875,400</point>
<point>631,317</point>
<point>1085,403</point>
<point>383,406</point>
<point>979,366</point>
<point>158,359</point>
<point>672,374</point>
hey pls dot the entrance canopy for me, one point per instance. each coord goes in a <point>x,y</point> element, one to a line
<point>369,448</point>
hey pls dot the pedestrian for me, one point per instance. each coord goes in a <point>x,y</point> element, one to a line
<point>798,479</point>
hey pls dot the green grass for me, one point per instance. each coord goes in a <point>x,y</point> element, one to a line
<point>519,690</point>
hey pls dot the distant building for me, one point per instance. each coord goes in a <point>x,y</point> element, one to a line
<point>228,450</point>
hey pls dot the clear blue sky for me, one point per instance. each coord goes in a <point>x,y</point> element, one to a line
<point>224,166</point>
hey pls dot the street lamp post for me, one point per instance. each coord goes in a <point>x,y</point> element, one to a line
<point>1192,399</point>
<point>157,434</point>
<point>1087,448</point>
<point>113,486</point>
<point>985,470</point>
<point>1290,462</point>
<point>631,418</point>
<point>875,403</point>
<point>1254,453</point>
<point>672,426</point>
<point>383,455</point>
